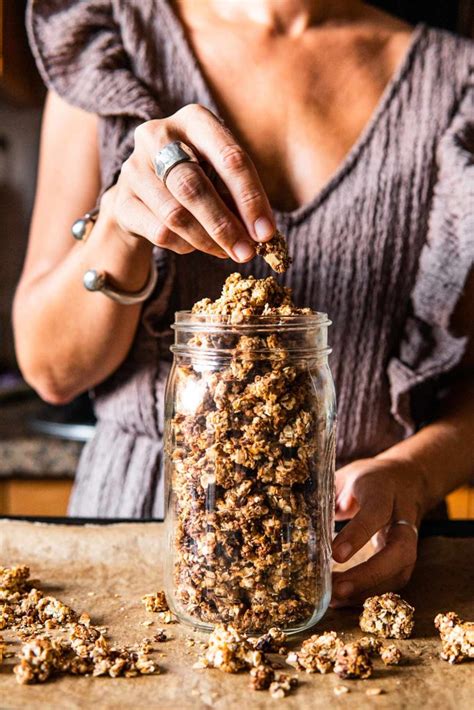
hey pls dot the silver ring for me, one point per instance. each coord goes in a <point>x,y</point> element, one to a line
<point>171,155</point>
<point>405,522</point>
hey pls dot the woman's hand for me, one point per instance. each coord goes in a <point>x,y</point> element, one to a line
<point>189,213</point>
<point>376,493</point>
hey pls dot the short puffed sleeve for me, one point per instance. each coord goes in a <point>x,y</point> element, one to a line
<point>80,54</point>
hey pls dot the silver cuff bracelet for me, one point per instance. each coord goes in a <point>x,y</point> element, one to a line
<point>97,281</point>
<point>94,280</point>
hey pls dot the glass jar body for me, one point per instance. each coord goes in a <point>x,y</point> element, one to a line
<point>249,466</point>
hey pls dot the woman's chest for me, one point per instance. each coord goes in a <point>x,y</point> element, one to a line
<point>298,107</point>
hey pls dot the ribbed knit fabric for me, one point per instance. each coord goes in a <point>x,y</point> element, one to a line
<point>384,248</point>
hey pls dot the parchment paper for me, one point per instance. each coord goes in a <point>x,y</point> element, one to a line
<point>106,570</point>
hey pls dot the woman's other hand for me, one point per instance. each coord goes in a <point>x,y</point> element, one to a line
<point>375,494</point>
<point>189,213</point>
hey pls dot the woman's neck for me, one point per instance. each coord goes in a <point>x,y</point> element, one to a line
<point>291,17</point>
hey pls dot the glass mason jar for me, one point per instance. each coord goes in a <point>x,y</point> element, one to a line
<point>249,467</point>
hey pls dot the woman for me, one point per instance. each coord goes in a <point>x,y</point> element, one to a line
<point>346,128</point>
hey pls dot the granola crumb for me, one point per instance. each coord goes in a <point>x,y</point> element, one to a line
<point>388,616</point>
<point>374,691</point>
<point>341,690</point>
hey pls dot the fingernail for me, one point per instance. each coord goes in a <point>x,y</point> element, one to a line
<point>343,551</point>
<point>343,589</point>
<point>243,250</point>
<point>264,229</point>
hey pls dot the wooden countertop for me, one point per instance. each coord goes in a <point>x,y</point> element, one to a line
<point>106,569</point>
<point>27,455</point>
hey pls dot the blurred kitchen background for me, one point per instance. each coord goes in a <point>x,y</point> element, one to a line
<point>40,444</point>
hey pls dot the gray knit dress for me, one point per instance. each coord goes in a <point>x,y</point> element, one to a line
<point>384,248</point>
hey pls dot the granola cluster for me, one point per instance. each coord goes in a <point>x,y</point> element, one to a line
<point>246,447</point>
<point>457,637</point>
<point>275,253</point>
<point>78,647</point>
<point>231,651</point>
<point>326,653</point>
<point>388,616</point>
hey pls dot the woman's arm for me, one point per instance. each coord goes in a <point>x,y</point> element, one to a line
<point>68,339</point>
<point>404,483</point>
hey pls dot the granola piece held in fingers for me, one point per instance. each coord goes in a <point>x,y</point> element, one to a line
<point>275,253</point>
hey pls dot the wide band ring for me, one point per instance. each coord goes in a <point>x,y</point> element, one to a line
<point>410,525</point>
<point>171,155</point>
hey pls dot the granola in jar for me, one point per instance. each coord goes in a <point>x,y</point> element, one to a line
<point>250,460</point>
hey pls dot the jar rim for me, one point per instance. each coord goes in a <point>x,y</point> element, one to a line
<point>204,321</point>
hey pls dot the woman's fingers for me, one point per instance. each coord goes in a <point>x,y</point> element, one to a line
<point>387,570</point>
<point>168,211</point>
<point>193,190</point>
<point>375,512</point>
<point>137,219</point>
<point>218,146</point>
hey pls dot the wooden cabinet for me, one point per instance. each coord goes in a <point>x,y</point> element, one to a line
<point>36,497</point>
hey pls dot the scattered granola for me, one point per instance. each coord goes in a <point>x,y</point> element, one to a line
<point>388,616</point>
<point>374,691</point>
<point>317,654</point>
<point>352,662</point>
<point>275,253</point>
<point>247,447</point>
<point>85,650</point>
<point>457,637</point>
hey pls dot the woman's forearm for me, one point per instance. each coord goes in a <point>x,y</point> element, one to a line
<point>69,339</point>
<point>443,451</point>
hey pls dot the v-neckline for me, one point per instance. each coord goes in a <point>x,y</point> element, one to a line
<point>390,90</point>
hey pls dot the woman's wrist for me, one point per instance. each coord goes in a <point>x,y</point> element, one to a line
<point>413,476</point>
<point>126,259</point>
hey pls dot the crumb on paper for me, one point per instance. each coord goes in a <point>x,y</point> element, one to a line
<point>341,690</point>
